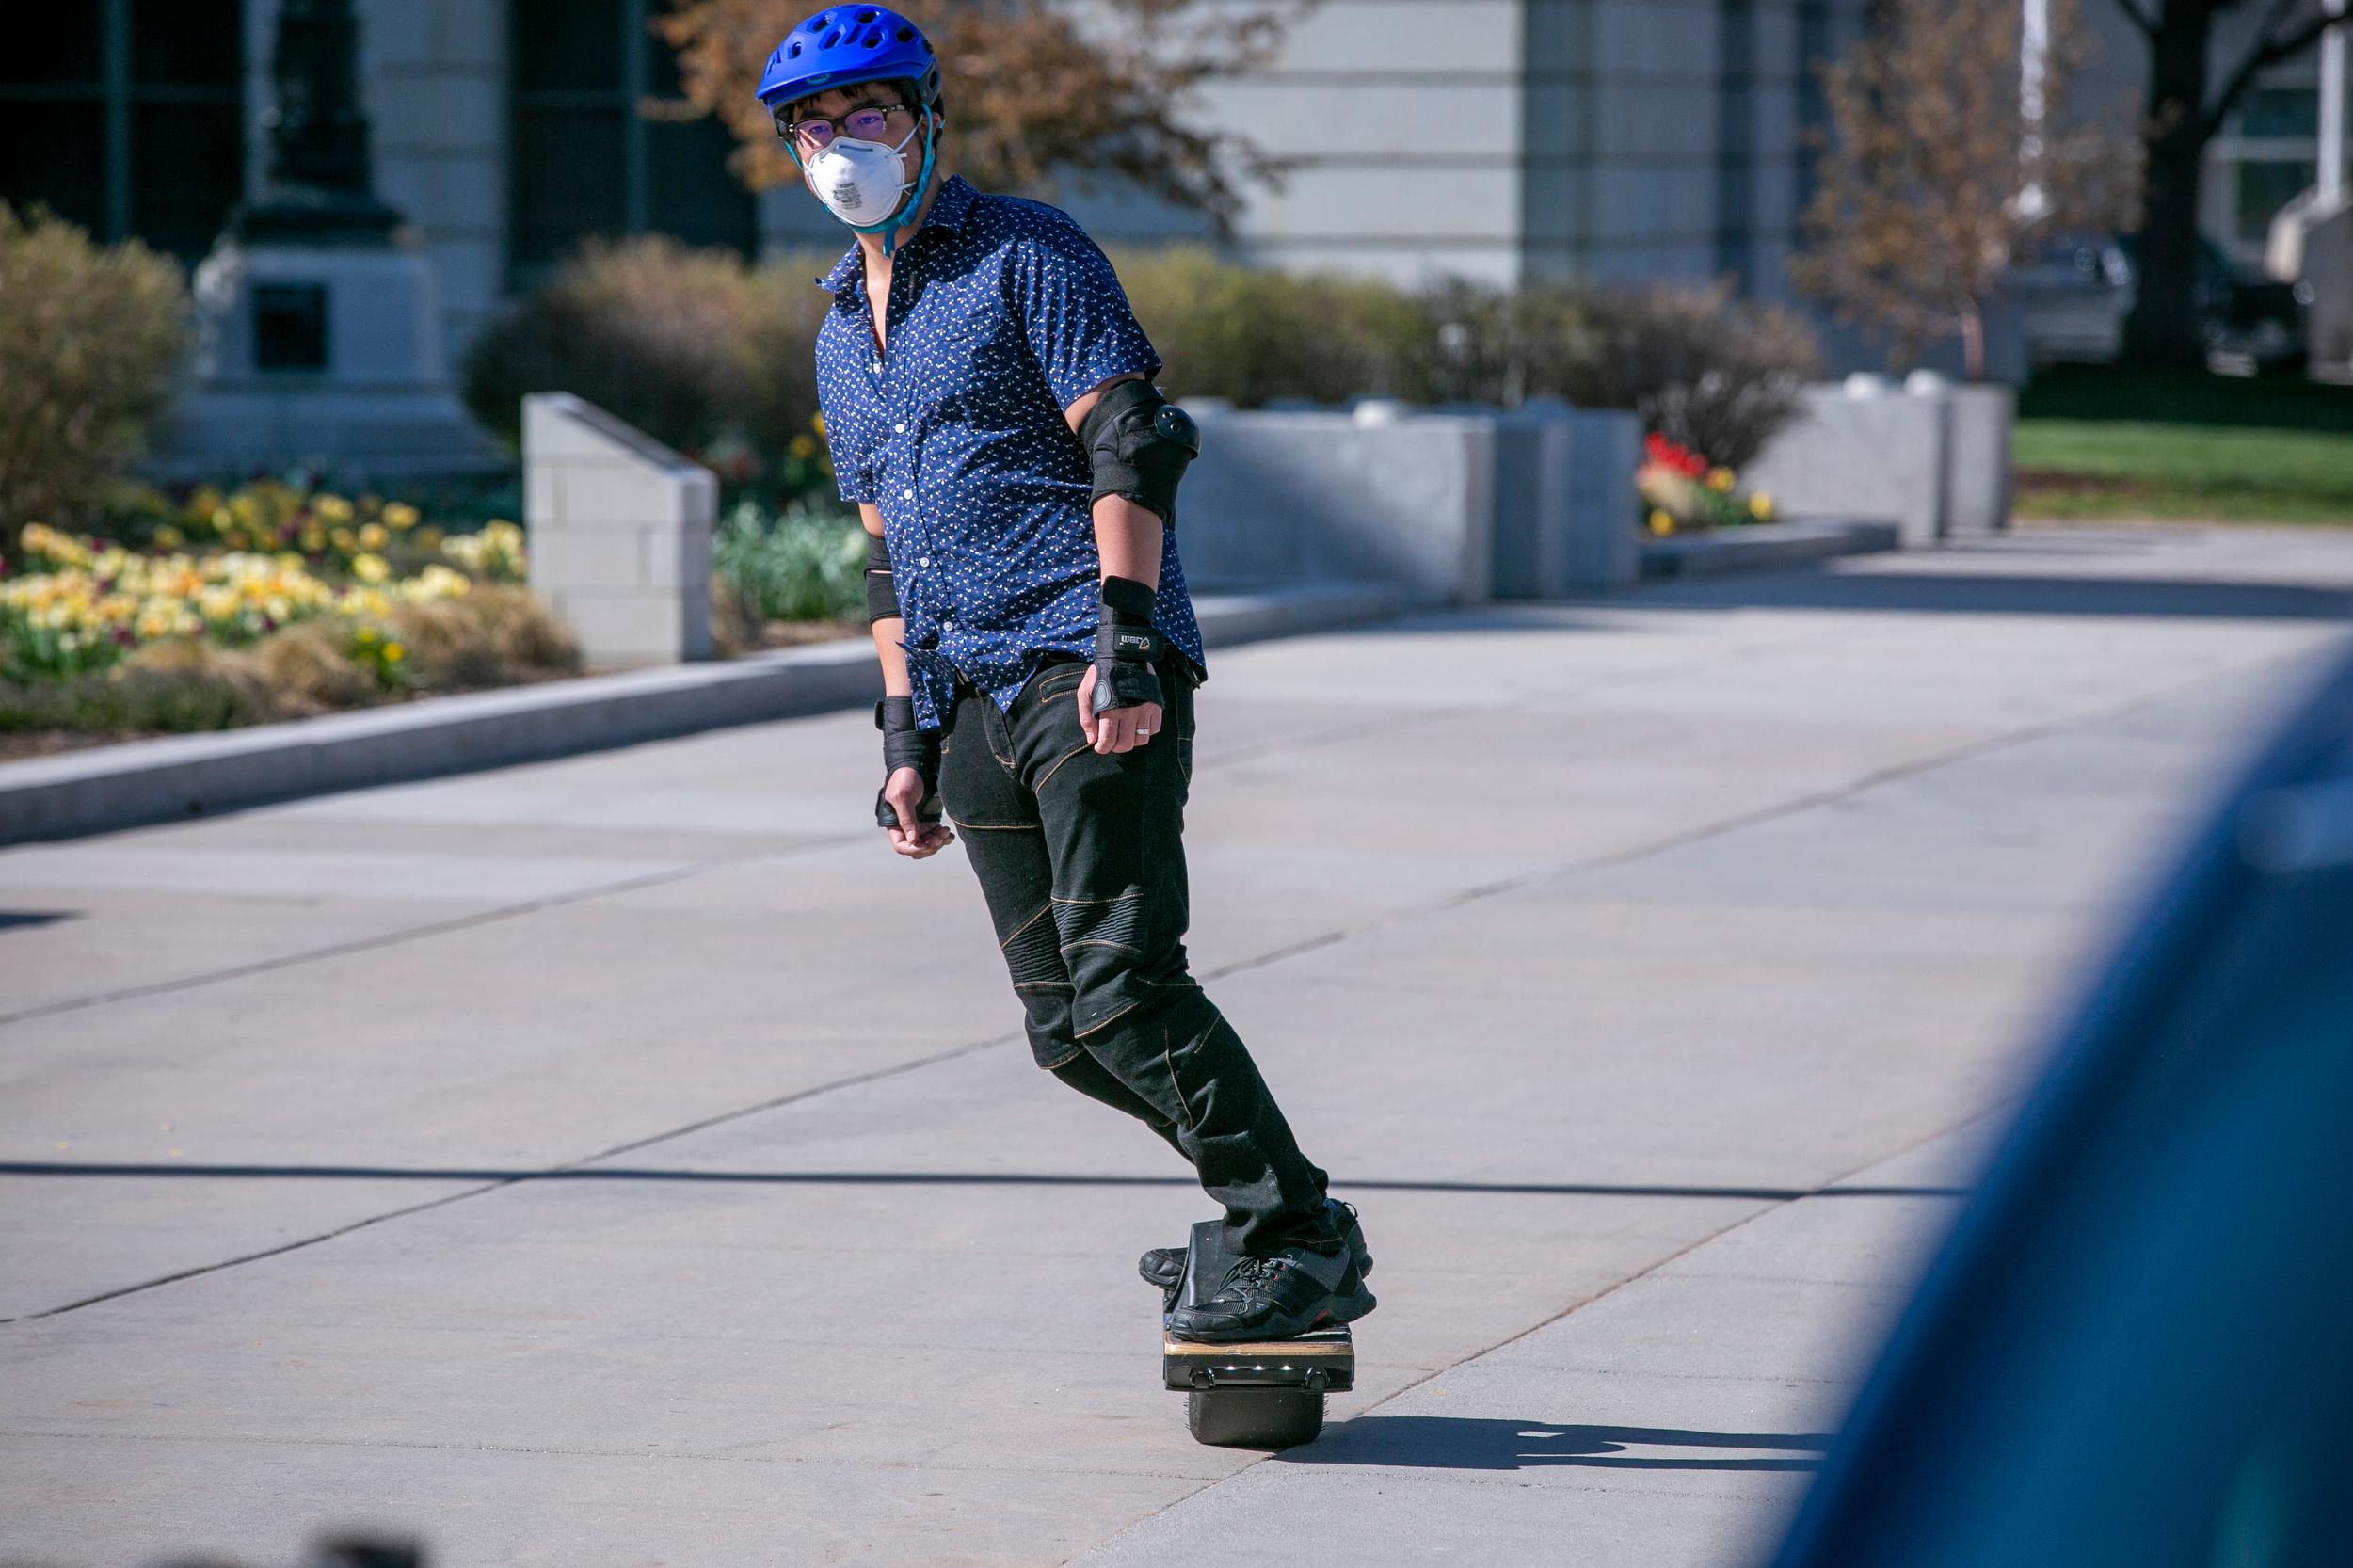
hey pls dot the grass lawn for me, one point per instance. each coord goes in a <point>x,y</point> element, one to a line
<point>2095,442</point>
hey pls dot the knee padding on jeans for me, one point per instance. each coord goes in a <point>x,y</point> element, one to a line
<point>1115,923</point>
<point>1033,953</point>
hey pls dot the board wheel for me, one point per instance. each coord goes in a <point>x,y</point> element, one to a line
<point>1254,1417</point>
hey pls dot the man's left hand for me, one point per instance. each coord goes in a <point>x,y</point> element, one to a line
<point>1115,728</point>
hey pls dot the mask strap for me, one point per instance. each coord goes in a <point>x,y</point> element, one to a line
<point>889,227</point>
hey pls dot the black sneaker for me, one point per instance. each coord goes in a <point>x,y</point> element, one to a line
<point>1165,1266</point>
<point>1295,1291</point>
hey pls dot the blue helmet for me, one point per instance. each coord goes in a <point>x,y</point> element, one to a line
<point>843,45</point>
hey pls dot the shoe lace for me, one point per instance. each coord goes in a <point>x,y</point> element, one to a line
<point>1251,1273</point>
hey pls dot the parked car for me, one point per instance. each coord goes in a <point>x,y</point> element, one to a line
<point>2135,1349</point>
<point>2071,300</point>
<point>2074,295</point>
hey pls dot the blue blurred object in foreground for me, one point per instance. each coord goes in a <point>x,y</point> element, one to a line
<point>2137,1347</point>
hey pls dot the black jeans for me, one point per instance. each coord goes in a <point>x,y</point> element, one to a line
<point>1083,861</point>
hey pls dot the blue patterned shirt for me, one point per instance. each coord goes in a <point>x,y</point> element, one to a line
<point>1003,314</point>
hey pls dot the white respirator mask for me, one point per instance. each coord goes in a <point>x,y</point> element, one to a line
<point>862,183</point>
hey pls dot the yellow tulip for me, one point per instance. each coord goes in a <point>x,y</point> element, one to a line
<point>400,516</point>
<point>1761,506</point>
<point>1719,480</point>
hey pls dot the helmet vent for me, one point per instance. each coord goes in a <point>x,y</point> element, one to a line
<point>875,38</point>
<point>866,16</point>
<point>794,51</point>
<point>831,39</point>
<point>906,33</point>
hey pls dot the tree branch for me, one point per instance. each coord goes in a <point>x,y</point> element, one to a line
<point>2139,18</point>
<point>2266,53</point>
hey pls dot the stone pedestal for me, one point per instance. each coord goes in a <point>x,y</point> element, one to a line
<point>325,355</point>
<point>319,335</point>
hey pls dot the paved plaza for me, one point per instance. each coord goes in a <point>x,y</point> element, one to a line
<point>625,1160</point>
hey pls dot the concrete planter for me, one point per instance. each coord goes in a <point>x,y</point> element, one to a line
<point>1932,456</point>
<point>1454,506</point>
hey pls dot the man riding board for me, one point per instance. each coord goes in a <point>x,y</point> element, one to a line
<point>989,408</point>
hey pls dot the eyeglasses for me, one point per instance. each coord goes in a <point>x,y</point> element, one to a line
<point>871,123</point>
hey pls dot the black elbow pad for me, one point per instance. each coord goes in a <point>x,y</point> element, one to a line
<point>882,590</point>
<point>1139,442</point>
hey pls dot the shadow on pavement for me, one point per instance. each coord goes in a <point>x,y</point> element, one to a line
<point>914,1178</point>
<point>1468,1443</point>
<point>1954,593</point>
<point>1995,594</point>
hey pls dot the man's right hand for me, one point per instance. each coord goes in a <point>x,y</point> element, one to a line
<point>903,792</point>
<point>911,768</point>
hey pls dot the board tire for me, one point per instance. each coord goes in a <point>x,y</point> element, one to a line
<point>1254,1417</point>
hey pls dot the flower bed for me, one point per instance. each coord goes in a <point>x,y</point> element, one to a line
<point>267,603</point>
<point>1682,492</point>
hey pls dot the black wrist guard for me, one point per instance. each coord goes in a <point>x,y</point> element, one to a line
<point>1126,646</point>
<point>882,590</point>
<point>906,746</point>
<point>1139,442</point>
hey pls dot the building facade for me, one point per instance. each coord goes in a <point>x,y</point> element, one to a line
<point>1621,140</point>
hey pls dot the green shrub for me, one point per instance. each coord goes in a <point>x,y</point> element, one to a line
<point>1251,335</point>
<point>806,562</point>
<point>691,346</point>
<point>716,359</point>
<point>91,337</point>
<point>1707,372</point>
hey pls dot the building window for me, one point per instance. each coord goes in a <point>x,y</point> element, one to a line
<point>586,164</point>
<point>2293,112</point>
<point>127,117</point>
<point>2265,187</point>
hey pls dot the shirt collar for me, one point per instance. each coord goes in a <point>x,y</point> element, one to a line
<point>947,211</point>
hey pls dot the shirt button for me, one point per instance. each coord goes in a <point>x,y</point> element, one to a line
<point>909,494</point>
<point>947,626</point>
<point>878,367</point>
<point>900,428</point>
<point>925,561</point>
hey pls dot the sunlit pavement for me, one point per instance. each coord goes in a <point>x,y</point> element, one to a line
<point>625,1160</point>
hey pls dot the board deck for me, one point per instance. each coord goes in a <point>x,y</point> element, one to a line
<point>1326,1360</point>
<point>1265,1350</point>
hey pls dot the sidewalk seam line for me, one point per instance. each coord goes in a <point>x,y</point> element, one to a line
<point>1809,802</point>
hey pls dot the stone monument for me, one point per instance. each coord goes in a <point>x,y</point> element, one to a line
<point>319,336</point>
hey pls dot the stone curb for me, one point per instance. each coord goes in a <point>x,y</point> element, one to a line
<point>1766,546</point>
<point>176,777</point>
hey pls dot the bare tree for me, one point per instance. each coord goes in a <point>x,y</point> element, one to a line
<point>2185,112</point>
<point>1920,203</point>
<point>1035,90</point>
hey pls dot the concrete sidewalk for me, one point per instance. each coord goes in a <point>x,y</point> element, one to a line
<point>622,1160</point>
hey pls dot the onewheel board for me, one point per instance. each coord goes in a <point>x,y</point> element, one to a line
<point>1257,1394</point>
